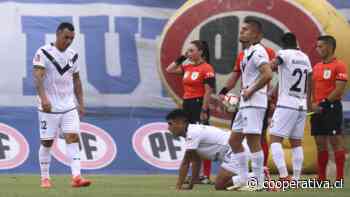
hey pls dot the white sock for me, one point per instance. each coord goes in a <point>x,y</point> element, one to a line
<point>278,159</point>
<point>258,166</point>
<point>236,179</point>
<point>241,160</point>
<point>298,158</point>
<point>44,161</point>
<point>73,154</point>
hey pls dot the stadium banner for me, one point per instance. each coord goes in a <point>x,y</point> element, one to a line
<point>125,91</point>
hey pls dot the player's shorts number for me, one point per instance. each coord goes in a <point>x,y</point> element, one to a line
<point>43,124</point>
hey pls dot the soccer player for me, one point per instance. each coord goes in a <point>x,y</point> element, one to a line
<point>58,85</point>
<point>256,74</point>
<point>329,82</point>
<point>294,99</point>
<point>202,141</point>
<point>231,83</point>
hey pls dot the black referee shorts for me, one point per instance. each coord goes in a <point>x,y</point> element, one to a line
<point>193,108</point>
<point>329,122</point>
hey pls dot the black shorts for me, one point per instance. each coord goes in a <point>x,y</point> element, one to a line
<point>329,122</point>
<point>193,108</point>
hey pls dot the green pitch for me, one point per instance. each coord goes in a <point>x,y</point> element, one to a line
<point>125,186</point>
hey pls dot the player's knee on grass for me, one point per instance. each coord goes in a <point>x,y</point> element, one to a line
<point>223,179</point>
<point>71,138</point>
<point>47,143</point>
<point>219,185</point>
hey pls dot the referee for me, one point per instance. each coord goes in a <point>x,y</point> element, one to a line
<point>329,82</point>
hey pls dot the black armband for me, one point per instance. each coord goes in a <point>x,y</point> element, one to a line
<point>211,82</point>
<point>180,60</point>
<point>224,91</point>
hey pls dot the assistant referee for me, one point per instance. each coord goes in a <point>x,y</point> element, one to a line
<point>329,82</point>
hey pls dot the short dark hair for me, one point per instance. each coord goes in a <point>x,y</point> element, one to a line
<point>289,41</point>
<point>177,114</point>
<point>65,25</point>
<point>257,24</point>
<point>329,40</point>
<point>203,46</point>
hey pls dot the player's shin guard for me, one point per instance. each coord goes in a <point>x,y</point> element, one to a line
<point>298,159</point>
<point>241,160</point>
<point>44,161</point>
<point>339,157</point>
<point>322,160</point>
<point>73,155</point>
<point>258,166</point>
<point>278,159</point>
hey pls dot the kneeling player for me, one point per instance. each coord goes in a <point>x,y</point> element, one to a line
<point>205,142</point>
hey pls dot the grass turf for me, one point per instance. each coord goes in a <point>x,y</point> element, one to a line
<point>141,186</point>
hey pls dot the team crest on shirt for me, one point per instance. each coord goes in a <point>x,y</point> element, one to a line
<point>194,75</point>
<point>327,74</point>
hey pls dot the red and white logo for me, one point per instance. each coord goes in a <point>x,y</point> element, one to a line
<point>157,146</point>
<point>98,148</point>
<point>218,23</point>
<point>14,148</point>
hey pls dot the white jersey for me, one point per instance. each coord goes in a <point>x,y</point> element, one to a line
<point>292,78</point>
<point>209,142</point>
<point>254,57</point>
<point>58,80</point>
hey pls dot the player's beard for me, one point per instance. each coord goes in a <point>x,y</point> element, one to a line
<point>244,44</point>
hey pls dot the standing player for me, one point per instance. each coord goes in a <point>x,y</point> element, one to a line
<point>256,74</point>
<point>58,85</point>
<point>202,142</point>
<point>294,99</point>
<point>329,77</point>
<point>231,83</point>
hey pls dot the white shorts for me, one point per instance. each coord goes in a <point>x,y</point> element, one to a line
<point>288,123</point>
<point>249,120</point>
<point>51,124</point>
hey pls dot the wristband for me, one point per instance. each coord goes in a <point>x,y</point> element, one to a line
<point>224,91</point>
<point>180,60</point>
